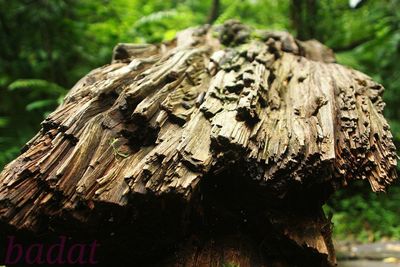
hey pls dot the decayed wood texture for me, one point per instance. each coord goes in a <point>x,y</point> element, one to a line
<point>160,118</point>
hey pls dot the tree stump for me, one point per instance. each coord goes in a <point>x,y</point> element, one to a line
<point>218,148</point>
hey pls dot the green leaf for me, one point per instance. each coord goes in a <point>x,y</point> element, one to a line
<point>229,12</point>
<point>156,17</point>
<point>169,35</point>
<point>41,104</point>
<point>3,122</point>
<point>37,84</point>
<point>60,99</point>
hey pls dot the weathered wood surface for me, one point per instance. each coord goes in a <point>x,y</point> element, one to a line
<point>160,118</point>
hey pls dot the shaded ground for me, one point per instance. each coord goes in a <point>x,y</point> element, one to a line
<point>366,263</point>
<point>368,255</point>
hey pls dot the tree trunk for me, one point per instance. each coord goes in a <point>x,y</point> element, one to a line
<point>304,16</point>
<point>190,153</point>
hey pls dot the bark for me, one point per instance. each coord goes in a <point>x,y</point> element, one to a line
<point>191,153</point>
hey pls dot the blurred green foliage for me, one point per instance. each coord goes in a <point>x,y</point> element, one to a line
<point>360,215</point>
<point>47,45</point>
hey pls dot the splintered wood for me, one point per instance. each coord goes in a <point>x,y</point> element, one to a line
<point>161,117</point>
